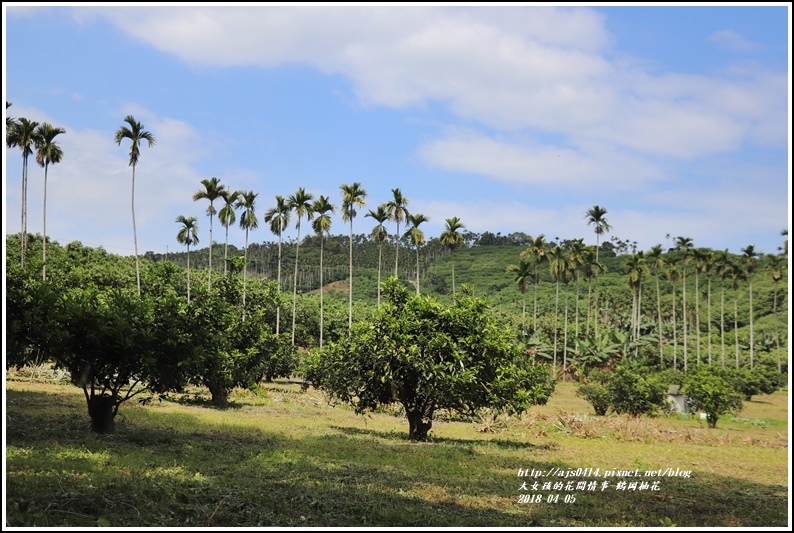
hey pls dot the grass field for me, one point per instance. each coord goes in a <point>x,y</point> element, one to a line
<point>284,457</point>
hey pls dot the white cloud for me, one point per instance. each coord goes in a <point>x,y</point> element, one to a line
<point>731,40</point>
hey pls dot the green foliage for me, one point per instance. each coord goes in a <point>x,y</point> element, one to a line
<point>596,391</point>
<point>427,357</point>
<point>637,394</point>
<point>708,391</point>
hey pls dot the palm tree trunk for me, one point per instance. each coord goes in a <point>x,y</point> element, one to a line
<point>417,269</point>
<point>24,223</point>
<point>397,249</point>
<point>135,235</point>
<point>659,317</point>
<point>736,326</point>
<point>683,313</point>
<point>639,318</point>
<point>577,306</point>
<point>749,277</point>
<point>295,282</point>
<point>565,336</point>
<point>44,241</point>
<point>722,324</point>
<point>453,275</point>
<point>209,274</point>
<point>226,251</point>
<point>697,313</point>
<point>380,254</point>
<point>278,286</point>
<point>675,336</point>
<point>321,290</point>
<point>245,269</point>
<point>556,313</point>
<point>188,273</point>
<point>535,315</point>
<point>350,297</point>
<point>777,335</point>
<point>708,312</point>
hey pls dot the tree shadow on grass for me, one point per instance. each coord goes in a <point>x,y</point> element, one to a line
<point>403,437</point>
<point>181,469</point>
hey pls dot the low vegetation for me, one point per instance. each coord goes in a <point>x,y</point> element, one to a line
<point>282,456</point>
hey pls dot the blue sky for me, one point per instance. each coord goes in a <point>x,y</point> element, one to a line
<point>512,118</point>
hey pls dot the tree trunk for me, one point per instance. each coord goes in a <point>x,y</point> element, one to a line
<point>102,411</point>
<point>418,425</point>
<point>321,290</point>
<point>295,282</point>
<point>135,235</point>
<point>44,241</point>
<point>220,395</point>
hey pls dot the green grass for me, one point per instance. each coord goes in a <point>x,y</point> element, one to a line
<point>283,457</point>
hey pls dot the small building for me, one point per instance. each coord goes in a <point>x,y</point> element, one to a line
<point>677,399</point>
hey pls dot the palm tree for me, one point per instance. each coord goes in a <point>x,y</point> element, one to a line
<point>136,134</point>
<point>452,238</point>
<point>701,258</point>
<point>592,269</point>
<point>212,191</point>
<point>248,221</point>
<point>278,218</point>
<point>322,225</point>
<point>595,216</point>
<point>352,197</point>
<point>536,250</point>
<point>301,203</point>
<point>417,238</point>
<point>656,262</point>
<point>684,245</point>
<point>227,217</point>
<point>47,152</point>
<point>188,234</point>
<point>674,274</point>
<point>750,260</point>
<point>23,134</point>
<point>775,266</point>
<point>722,266</point>
<point>706,265</point>
<point>523,272</point>
<point>735,273</point>
<point>397,212</point>
<point>636,266</point>
<point>558,270</point>
<point>379,234</point>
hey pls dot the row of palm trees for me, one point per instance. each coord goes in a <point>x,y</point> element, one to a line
<point>303,205</point>
<point>31,137</point>
<point>580,260</point>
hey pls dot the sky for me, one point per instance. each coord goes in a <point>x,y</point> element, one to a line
<point>514,118</point>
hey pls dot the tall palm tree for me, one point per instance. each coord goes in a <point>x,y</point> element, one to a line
<point>684,245</point>
<point>278,218</point>
<point>750,260</point>
<point>23,134</point>
<point>188,234</point>
<point>656,263</point>
<point>135,133</point>
<point>523,273</point>
<point>248,221</point>
<point>700,256</point>
<point>707,266</point>
<point>722,266</point>
<point>636,266</point>
<point>592,269</point>
<point>352,197</point>
<point>397,212</point>
<point>379,234</point>
<point>227,217</point>
<point>775,266</point>
<point>595,216</point>
<point>212,191</point>
<point>322,225</point>
<point>673,274</point>
<point>537,251</point>
<point>452,238</point>
<point>558,269</point>
<point>417,238</point>
<point>47,152</point>
<point>301,203</point>
<point>736,273</point>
